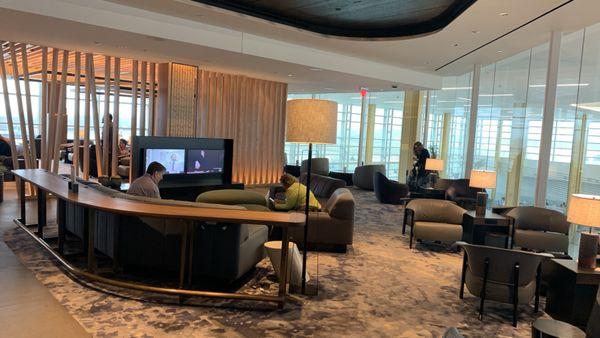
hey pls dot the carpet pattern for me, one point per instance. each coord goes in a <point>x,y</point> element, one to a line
<point>380,288</point>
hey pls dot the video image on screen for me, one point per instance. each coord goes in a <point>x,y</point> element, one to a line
<point>172,159</point>
<point>202,161</point>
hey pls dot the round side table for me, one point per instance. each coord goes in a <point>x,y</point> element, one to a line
<point>550,328</point>
<point>294,270</point>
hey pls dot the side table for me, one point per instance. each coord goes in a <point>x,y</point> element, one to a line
<point>546,328</point>
<point>571,291</point>
<point>477,228</point>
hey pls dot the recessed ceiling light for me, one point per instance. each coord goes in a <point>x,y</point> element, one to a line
<point>499,51</point>
<point>290,75</point>
<point>503,14</point>
<point>456,44</point>
<point>475,32</point>
<point>98,43</point>
<point>328,88</point>
<point>316,69</point>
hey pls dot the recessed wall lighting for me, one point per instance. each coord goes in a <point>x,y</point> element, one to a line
<point>503,14</point>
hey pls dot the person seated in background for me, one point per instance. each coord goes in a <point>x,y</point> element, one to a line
<point>123,149</point>
<point>147,185</point>
<point>294,196</point>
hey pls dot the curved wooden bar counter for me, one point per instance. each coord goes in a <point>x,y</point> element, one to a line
<point>58,186</point>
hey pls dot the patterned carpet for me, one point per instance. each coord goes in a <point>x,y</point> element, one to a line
<point>380,288</point>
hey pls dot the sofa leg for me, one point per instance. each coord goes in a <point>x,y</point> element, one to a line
<point>538,280</point>
<point>515,293</point>
<point>411,238</point>
<point>462,277</point>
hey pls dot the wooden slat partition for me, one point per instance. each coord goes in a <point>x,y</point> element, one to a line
<point>134,106</point>
<point>152,102</point>
<point>52,110</point>
<point>9,118</point>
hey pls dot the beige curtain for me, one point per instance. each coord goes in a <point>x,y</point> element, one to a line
<point>252,113</point>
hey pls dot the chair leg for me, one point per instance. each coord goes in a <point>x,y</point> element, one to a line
<point>412,230</point>
<point>404,222</point>
<point>515,293</point>
<point>538,281</point>
<point>483,289</point>
<point>462,277</point>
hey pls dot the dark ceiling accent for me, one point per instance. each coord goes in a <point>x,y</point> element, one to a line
<point>367,19</point>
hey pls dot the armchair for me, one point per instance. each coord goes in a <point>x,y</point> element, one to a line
<point>363,175</point>
<point>388,191</point>
<point>539,229</point>
<point>502,275</point>
<point>319,166</point>
<point>460,192</point>
<point>434,220</point>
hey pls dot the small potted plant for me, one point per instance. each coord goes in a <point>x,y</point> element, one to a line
<point>3,169</point>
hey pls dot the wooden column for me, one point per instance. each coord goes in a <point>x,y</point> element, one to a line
<point>96,115</point>
<point>143,99</point>
<point>30,128</point>
<point>370,135</point>
<point>51,104</point>
<point>134,90</point>
<point>9,118</point>
<point>62,111</point>
<point>15,69</point>
<point>152,101</point>
<point>77,120</point>
<point>410,117</point>
<point>44,110</point>
<point>106,128</point>
<point>86,122</point>
<point>115,135</point>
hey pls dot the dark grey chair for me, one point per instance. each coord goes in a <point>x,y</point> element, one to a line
<point>363,175</point>
<point>319,166</point>
<point>388,191</point>
<point>502,275</point>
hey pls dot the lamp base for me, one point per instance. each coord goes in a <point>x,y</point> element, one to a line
<point>481,204</point>
<point>588,249</point>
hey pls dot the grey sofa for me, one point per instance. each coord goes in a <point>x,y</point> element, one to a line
<point>363,175</point>
<point>539,229</point>
<point>331,229</point>
<point>319,166</point>
<point>502,275</point>
<point>222,252</point>
<point>323,186</point>
<point>434,220</point>
<point>388,191</point>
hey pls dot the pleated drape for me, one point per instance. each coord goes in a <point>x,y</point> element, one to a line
<point>252,113</point>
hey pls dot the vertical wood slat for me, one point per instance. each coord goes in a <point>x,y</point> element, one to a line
<point>52,109</point>
<point>134,94</point>
<point>115,136</point>
<point>77,120</point>
<point>106,137</point>
<point>30,128</point>
<point>152,102</point>
<point>62,112</point>
<point>9,118</point>
<point>15,75</point>
<point>44,109</point>
<point>86,122</point>
<point>95,113</point>
<point>144,80</point>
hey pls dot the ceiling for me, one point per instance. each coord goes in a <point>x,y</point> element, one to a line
<point>353,19</point>
<point>214,38</point>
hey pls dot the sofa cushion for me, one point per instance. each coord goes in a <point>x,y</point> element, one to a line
<point>434,231</point>
<point>341,204</point>
<point>231,197</point>
<point>432,210</point>
<point>541,240</point>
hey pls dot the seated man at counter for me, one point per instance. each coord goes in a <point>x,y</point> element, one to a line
<point>295,195</point>
<point>147,185</point>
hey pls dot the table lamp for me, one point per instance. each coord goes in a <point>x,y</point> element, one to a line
<point>436,165</point>
<point>485,180</point>
<point>585,210</point>
<point>310,121</point>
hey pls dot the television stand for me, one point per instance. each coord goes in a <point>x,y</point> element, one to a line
<point>188,191</point>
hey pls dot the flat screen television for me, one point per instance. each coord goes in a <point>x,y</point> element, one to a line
<point>204,161</point>
<point>172,159</point>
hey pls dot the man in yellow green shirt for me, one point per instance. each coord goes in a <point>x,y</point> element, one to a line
<point>295,195</point>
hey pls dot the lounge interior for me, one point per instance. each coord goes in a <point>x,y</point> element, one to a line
<point>431,166</point>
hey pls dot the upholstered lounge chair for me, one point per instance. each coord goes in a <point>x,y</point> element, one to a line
<point>363,175</point>
<point>540,229</point>
<point>434,220</point>
<point>502,275</point>
<point>388,191</point>
<point>320,166</point>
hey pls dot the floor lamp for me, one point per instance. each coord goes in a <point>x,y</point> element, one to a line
<point>310,121</point>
